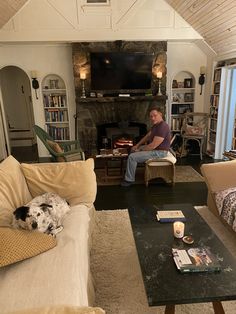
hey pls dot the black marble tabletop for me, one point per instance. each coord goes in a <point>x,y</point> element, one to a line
<point>164,284</point>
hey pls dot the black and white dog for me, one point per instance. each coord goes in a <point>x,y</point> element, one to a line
<point>43,213</point>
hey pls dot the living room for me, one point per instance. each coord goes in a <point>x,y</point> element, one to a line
<point>47,45</point>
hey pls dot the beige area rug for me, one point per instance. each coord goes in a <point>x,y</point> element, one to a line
<point>182,174</point>
<point>116,270</point>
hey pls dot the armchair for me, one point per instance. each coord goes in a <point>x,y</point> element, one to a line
<point>65,151</point>
<point>194,127</point>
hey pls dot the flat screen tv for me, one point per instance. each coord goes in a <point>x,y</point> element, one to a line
<point>117,72</point>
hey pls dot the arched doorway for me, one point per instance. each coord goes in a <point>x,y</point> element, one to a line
<point>17,111</point>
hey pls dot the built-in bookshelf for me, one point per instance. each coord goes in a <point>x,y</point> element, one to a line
<point>55,107</point>
<point>214,108</point>
<point>182,98</point>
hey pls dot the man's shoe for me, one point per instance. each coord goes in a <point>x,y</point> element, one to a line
<point>126,183</point>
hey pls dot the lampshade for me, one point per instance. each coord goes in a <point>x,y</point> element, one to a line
<point>34,74</point>
<point>82,76</point>
<point>159,74</point>
<point>203,70</point>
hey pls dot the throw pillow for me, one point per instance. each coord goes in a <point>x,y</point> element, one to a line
<point>56,148</point>
<point>75,181</point>
<point>62,309</point>
<point>14,191</point>
<point>17,245</point>
<point>194,130</point>
<point>226,205</point>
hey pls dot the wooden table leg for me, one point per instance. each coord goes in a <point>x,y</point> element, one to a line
<point>170,309</point>
<point>218,308</point>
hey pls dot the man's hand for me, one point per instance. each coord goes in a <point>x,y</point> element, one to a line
<point>135,148</point>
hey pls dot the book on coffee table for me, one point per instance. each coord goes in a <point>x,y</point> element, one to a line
<point>196,259</point>
<point>170,215</point>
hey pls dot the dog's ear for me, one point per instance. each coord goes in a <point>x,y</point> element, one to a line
<point>21,212</point>
<point>45,206</point>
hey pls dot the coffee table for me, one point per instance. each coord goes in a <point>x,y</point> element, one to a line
<point>164,284</point>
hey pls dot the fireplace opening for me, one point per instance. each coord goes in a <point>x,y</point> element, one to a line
<point>120,135</point>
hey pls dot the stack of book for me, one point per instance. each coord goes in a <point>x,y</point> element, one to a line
<point>231,154</point>
<point>170,215</point>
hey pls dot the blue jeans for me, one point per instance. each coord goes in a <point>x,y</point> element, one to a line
<point>139,157</point>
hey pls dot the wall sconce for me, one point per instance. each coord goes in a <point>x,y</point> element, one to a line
<point>201,79</point>
<point>35,83</point>
<point>83,78</point>
<point>159,77</point>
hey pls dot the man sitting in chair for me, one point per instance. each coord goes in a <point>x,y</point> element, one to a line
<point>158,144</point>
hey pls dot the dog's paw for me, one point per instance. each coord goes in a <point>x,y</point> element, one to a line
<point>54,232</point>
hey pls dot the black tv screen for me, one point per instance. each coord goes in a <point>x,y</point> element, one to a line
<point>121,71</point>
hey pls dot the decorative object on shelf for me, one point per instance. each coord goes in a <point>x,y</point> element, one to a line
<point>201,79</point>
<point>180,84</point>
<point>53,84</point>
<point>188,83</point>
<point>159,77</point>
<point>174,84</point>
<point>83,78</point>
<point>35,83</point>
<point>188,97</point>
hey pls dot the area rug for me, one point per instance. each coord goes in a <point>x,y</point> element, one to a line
<point>116,271</point>
<point>182,174</point>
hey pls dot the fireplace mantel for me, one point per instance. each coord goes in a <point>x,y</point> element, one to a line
<point>120,99</point>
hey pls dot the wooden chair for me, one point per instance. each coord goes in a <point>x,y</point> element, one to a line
<point>63,151</point>
<point>194,127</point>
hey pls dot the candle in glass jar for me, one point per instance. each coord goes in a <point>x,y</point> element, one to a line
<point>178,228</point>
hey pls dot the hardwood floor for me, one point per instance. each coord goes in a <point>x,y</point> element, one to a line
<point>115,197</point>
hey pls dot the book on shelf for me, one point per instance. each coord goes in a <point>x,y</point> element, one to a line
<point>170,215</point>
<point>198,259</point>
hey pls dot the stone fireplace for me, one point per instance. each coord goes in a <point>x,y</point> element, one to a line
<point>110,117</point>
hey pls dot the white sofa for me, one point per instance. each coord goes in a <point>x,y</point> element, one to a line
<point>58,280</point>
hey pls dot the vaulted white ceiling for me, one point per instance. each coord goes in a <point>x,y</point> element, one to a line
<point>212,20</point>
<point>8,9</point>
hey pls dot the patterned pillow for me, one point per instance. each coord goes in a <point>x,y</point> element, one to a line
<point>226,205</point>
<point>17,245</point>
<point>194,130</point>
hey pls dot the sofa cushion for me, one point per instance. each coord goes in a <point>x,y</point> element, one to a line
<point>226,205</point>
<point>14,191</point>
<point>17,245</point>
<point>75,181</point>
<point>62,310</point>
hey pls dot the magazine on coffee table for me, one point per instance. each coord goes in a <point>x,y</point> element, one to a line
<point>196,259</point>
<point>170,215</point>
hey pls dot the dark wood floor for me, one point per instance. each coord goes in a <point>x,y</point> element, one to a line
<point>115,197</point>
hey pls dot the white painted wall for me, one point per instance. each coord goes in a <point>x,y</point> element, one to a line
<point>45,59</point>
<point>183,56</point>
